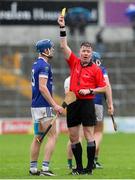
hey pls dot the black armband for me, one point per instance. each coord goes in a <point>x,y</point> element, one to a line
<point>62,31</point>
<point>91,91</point>
<point>62,27</point>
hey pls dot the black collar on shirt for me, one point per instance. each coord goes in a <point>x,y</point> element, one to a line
<point>89,64</point>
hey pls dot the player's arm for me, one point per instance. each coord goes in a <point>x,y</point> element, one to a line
<point>63,39</point>
<point>46,94</point>
<point>108,94</point>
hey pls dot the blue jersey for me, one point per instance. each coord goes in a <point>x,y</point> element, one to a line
<point>99,97</point>
<point>40,68</point>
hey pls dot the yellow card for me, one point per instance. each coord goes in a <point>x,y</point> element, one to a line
<point>63,11</point>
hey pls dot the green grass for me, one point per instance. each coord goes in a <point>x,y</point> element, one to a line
<point>117,156</point>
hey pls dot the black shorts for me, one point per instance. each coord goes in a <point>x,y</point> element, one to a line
<point>82,112</point>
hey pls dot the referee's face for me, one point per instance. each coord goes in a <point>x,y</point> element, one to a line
<point>85,54</point>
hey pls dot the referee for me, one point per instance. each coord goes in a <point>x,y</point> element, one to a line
<point>86,80</point>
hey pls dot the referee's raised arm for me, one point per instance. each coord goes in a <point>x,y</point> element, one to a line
<point>63,39</point>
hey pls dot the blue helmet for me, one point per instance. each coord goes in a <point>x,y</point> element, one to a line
<point>95,56</point>
<point>44,44</point>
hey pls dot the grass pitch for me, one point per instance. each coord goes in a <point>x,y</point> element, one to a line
<point>117,156</point>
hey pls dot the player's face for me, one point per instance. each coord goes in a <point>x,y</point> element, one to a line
<point>85,54</point>
<point>51,52</point>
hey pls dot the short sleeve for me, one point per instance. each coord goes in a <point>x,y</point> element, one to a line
<point>100,81</point>
<point>104,71</point>
<point>44,71</point>
<point>72,60</point>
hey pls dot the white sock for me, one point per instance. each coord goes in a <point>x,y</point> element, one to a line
<point>45,165</point>
<point>45,168</point>
<point>33,169</point>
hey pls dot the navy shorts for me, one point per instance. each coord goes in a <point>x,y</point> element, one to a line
<point>82,111</point>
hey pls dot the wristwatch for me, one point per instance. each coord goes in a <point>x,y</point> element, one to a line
<point>91,91</point>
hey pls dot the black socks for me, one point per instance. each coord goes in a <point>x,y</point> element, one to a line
<point>77,151</point>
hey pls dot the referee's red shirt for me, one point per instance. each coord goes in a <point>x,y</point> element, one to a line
<point>86,77</point>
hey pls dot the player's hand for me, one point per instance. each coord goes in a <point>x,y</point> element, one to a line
<point>61,21</point>
<point>110,110</point>
<point>58,109</point>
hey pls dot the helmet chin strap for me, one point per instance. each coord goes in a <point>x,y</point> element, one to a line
<point>47,55</point>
